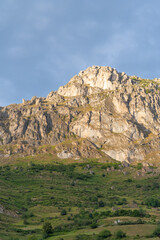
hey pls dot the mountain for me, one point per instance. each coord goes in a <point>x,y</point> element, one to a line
<point>98,113</point>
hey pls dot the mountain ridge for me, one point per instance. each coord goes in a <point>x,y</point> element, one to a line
<point>99,112</point>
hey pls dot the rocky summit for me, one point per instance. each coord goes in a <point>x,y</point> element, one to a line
<point>99,112</point>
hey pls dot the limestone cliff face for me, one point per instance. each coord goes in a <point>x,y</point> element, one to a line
<point>99,111</point>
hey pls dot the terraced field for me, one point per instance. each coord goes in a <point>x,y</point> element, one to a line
<point>76,200</point>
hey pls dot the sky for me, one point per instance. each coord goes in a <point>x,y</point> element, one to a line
<point>43,43</point>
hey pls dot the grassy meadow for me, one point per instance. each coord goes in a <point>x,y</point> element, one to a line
<point>46,198</point>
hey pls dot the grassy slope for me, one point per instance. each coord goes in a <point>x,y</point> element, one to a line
<point>39,192</point>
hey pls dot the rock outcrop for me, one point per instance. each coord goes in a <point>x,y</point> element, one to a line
<point>98,112</point>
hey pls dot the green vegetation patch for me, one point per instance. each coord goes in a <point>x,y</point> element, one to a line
<point>76,201</point>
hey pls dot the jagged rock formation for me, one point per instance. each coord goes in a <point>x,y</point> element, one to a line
<point>99,111</point>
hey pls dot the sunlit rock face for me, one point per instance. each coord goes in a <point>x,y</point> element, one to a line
<point>98,112</point>
<point>99,78</point>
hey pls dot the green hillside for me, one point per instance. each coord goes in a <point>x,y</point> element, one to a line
<point>77,200</point>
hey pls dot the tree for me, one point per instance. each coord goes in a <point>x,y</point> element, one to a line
<point>104,234</point>
<point>120,234</point>
<point>63,212</point>
<point>47,229</point>
<point>156,232</point>
<point>101,203</point>
<point>32,238</point>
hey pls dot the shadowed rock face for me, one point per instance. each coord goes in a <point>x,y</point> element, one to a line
<point>98,109</point>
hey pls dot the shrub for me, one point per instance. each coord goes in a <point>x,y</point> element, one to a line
<point>129,180</point>
<point>94,225</point>
<point>47,229</point>
<point>156,232</point>
<point>101,203</point>
<point>148,91</point>
<point>152,202</point>
<point>32,238</point>
<point>120,234</point>
<point>122,201</point>
<point>82,237</point>
<point>104,234</point>
<point>155,185</point>
<point>139,166</point>
<point>63,212</point>
<point>25,222</point>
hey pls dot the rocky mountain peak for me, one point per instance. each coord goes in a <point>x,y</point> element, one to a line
<point>93,79</point>
<point>98,113</point>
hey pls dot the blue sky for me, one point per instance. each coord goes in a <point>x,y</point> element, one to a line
<point>43,43</point>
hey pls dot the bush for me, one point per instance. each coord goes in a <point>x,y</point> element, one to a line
<point>25,222</point>
<point>139,166</point>
<point>156,232</point>
<point>94,225</point>
<point>148,91</point>
<point>82,237</point>
<point>101,203</point>
<point>63,212</point>
<point>104,234</point>
<point>152,202</point>
<point>47,229</point>
<point>32,238</point>
<point>122,201</point>
<point>120,234</point>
